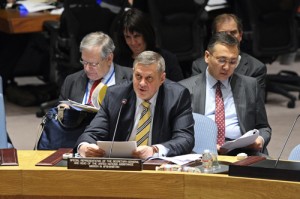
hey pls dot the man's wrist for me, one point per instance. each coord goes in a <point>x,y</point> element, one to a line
<point>155,149</point>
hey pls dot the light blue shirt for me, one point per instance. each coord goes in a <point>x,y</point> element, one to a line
<point>232,127</point>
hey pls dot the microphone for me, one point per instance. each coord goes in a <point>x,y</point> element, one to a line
<point>123,102</point>
<point>287,140</point>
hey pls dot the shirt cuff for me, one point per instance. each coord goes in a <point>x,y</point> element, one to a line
<point>162,151</point>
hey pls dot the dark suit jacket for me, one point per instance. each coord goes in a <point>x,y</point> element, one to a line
<point>173,123</point>
<point>75,84</point>
<point>249,103</point>
<point>248,66</point>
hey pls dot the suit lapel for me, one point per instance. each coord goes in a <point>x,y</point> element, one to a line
<point>81,87</point>
<point>199,94</point>
<point>127,115</point>
<point>239,97</point>
<point>118,76</point>
<point>157,121</point>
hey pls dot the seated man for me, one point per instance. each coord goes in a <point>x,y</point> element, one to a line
<point>247,65</point>
<point>163,106</point>
<point>97,59</point>
<point>233,101</point>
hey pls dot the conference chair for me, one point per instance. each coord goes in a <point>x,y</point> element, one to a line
<point>79,18</point>
<point>295,153</point>
<point>180,27</point>
<point>205,134</point>
<point>4,139</point>
<point>270,31</point>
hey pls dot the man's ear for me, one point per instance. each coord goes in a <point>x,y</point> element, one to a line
<point>163,77</point>
<point>206,56</point>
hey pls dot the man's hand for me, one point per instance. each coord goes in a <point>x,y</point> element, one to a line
<point>143,152</point>
<point>64,105</point>
<point>91,150</point>
<point>221,151</point>
<point>257,145</point>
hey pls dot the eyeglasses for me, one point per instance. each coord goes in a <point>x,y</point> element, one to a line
<point>223,60</point>
<point>85,63</point>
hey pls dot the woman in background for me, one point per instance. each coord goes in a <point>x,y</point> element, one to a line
<point>136,34</point>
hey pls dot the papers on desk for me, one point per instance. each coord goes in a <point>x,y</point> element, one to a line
<point>119,150</point>
<point>36,5</point>
<point>181,159</point>
<point>243,141</point>
<point>80,107</point>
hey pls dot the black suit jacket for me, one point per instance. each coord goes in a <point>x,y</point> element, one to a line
<point>248,66</point>
<point>75,84</point>
<point>173,123</point>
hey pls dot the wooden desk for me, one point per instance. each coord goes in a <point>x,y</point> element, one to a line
<point>30,181</point>
<point>12,21</point>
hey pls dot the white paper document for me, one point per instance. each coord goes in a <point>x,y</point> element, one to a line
<point>80,107</point>
<point>119,149</point>
<point>181,159</point>
<point>243,141</point>
<point>35,6</point>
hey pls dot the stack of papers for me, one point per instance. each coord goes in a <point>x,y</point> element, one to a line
<point>36,5</point>
<point>80,107</point>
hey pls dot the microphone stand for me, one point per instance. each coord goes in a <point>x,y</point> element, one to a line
<point>124,101</point>
<point>286,140</point>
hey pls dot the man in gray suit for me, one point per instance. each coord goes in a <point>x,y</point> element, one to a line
<point>171,130</point>
<point>97,59</point>
<point>248,65</point>
<point>243,102</point>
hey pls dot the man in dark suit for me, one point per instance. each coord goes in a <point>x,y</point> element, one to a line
<point>248,65</point>
<point>172,126</point>
<point>243,102</point>
<point>97,60</point>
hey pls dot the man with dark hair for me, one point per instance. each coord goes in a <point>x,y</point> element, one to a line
<point>247,64</point>
<point>232,100</point>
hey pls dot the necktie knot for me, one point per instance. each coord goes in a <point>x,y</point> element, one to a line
<point>218,84</point>
<point>146,104</point>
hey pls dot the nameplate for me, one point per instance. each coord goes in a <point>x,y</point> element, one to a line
<point>105,164</point>
<point>8,157</point>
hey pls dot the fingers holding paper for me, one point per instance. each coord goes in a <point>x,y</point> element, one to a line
<point>90,150</point>
<point>143,152</point>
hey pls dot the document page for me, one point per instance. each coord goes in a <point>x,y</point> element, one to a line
<point>35,6</point>
<point>119,149</point>
<point>80,107</point>
<point>245,140</point>
<point>181,159</point>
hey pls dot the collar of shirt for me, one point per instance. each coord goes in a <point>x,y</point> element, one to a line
<point>109,78</point>
<point>211,81</point>
<point>152,101</point>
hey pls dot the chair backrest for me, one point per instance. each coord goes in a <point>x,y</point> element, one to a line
<point>273,27</point>
<point>179,26</point>
<point>3,133</point>
<point>205,134</point>
<point>295,153</point>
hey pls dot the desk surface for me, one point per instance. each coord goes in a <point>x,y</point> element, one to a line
<point>29,181</point>
<point>12,21</point>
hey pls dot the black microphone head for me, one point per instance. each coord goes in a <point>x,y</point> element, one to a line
<point>124,101</point>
